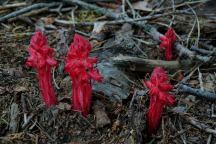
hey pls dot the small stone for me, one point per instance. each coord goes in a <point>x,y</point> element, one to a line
<point>101,117</point>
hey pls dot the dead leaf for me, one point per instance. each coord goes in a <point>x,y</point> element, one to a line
<point>97,31</point>
<point>20,89</point>
<point>142,5</point>
<point>109,5</point>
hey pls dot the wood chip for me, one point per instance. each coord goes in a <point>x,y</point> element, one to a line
<point>14,118</point>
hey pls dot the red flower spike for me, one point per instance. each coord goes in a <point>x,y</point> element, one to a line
<point>41,58</point>
<point>81,69</point>
<point>168,42</point>
<point>159,97</point>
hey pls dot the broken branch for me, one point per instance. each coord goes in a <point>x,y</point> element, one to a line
<point>143,65</point>
<point>8,6</point>
<point>27,9</point>
<point>197,92</point>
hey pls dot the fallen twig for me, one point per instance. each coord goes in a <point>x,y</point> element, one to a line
<point>197,92</point>
<point>143,65</point>
<point>199,125</point>
<point>193,121</point>
<point>28,14</point>
<point>14,117</point>
<point>8,6</point>
<point>147,28</point>
<point>209,139</point>
<point>29,118</point>
<point>208,47</point>
<point>27,9</point>
<point>202,51</point>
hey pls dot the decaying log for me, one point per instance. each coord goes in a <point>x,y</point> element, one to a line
<point>144,65</point>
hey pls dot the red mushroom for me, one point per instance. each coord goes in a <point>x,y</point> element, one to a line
<point>167,42</point>
<point>41,58</point>
<point>159,97</point>
<point>81,69</point>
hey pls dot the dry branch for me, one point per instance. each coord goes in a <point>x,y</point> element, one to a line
<point>144,65</point>
<point>200,125</point>
<point>202,51</point>
<point>27,9</point>
<point>196,123</point>
<point>197,92</point>
<point>8,6</point>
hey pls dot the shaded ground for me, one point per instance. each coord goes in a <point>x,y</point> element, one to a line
<point>24,119</point>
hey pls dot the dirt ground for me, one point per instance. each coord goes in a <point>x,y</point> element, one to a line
<point>25,119</point>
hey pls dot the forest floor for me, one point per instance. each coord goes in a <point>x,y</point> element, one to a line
<point>127,27</point>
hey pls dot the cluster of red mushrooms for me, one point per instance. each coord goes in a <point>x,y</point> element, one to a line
<point>81,69</point>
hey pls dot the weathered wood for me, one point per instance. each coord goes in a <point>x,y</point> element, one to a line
<point>14,118</point>
<point>197,92</point>
<point>27,9</point>
<point>144,65</point>
<point>15,5</point>
<point>115,85</point>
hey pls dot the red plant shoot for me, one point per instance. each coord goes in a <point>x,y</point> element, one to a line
<point>41,58</point>
<point>81,69</point>
<point>159,97</point>
<point>167,42</point>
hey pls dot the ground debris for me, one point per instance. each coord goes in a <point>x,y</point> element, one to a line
<point>101,117</point>
<point>125,38</point>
